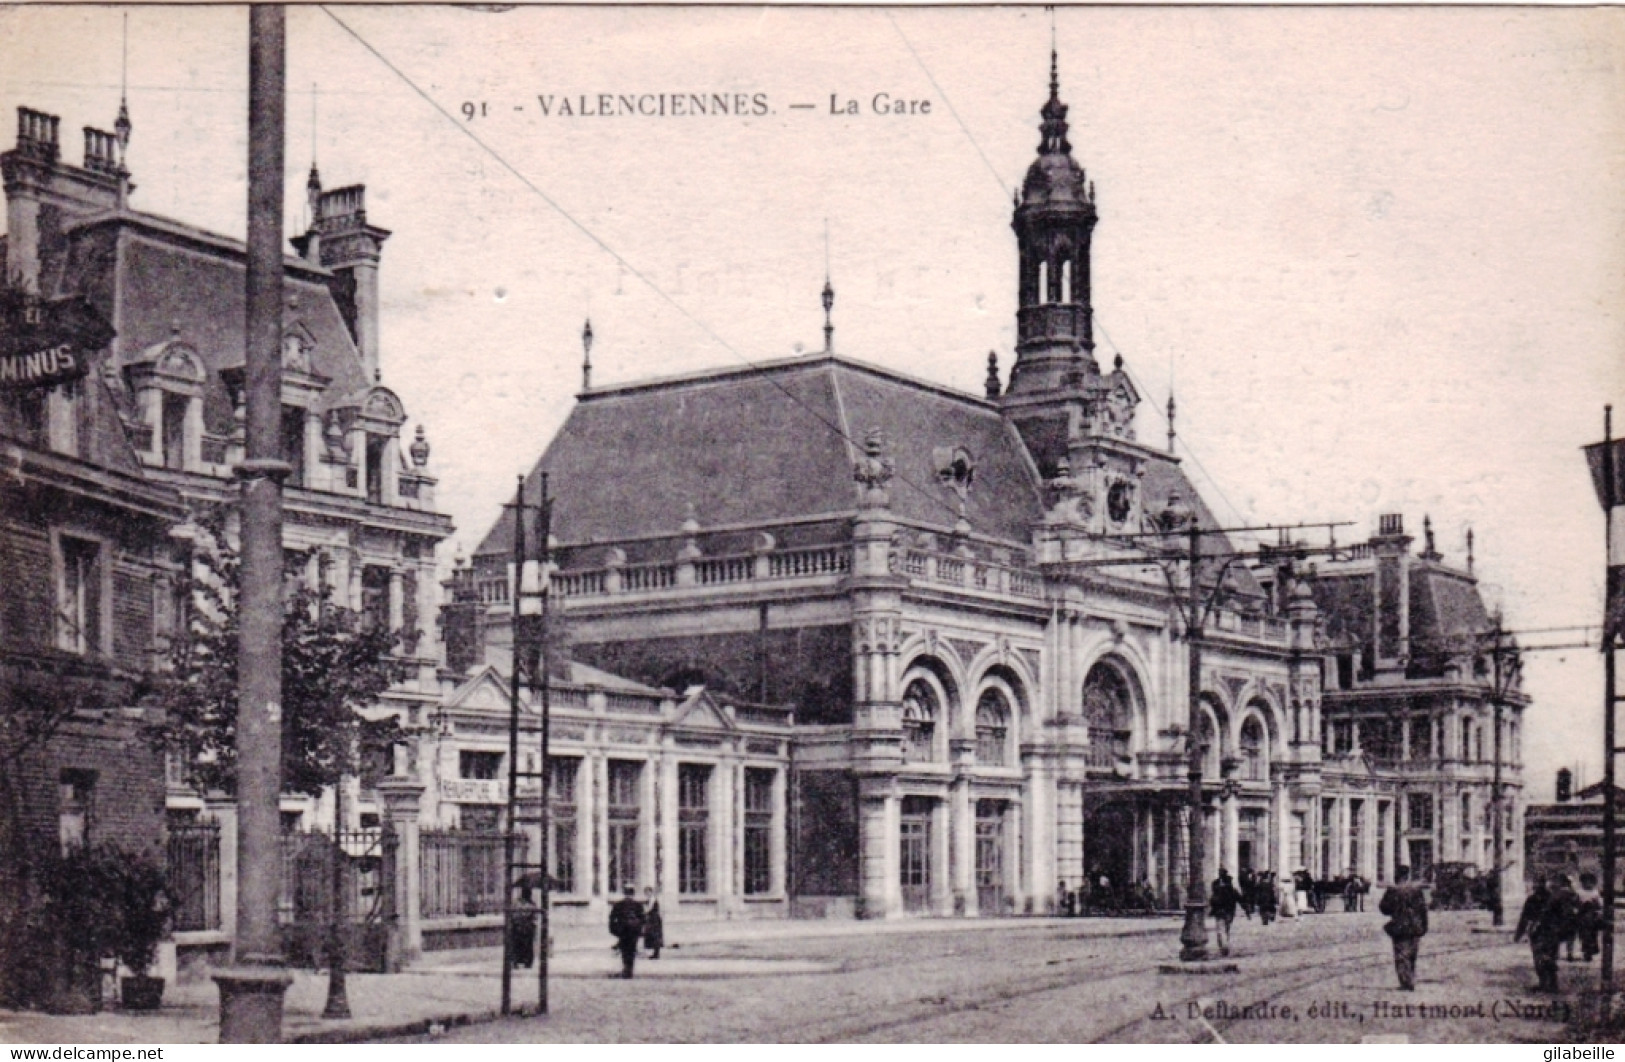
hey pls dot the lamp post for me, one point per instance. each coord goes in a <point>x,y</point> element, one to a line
<point>1607,461</point>
<point>1193,937</point>
<point>251,992</point>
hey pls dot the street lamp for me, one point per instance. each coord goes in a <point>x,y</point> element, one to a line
<point>1193,937</point>
<point>1607,461</point>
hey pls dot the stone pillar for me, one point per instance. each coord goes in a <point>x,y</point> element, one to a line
<point>225,813</point>
<point>402,799</point>
<point>778,883</point>
<point>1230,810</point>
<point>877,840</point>
<point>397,600</point>
<point>943,842</point>
<point>962,833</point>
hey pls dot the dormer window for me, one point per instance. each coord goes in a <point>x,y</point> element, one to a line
<point>293,444</point>
<point>172,436</point>
<point>376,448</point>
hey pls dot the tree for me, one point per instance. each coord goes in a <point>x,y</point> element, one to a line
<point>334,668</point>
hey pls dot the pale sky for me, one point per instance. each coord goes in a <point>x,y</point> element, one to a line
<point>1380,252</point>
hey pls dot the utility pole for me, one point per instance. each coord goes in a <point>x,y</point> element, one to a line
<point>251,992</point>
<point>508,835</point>
<point>1193,938</point>
<point>1606,460</point>
<point>544,538</point>
<point>1505,664</point>
<point>338,998</point>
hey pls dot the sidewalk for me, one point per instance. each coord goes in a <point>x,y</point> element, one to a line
<point>452,988</point>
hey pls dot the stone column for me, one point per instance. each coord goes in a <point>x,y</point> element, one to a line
<point>1230,809</point>
<point>877,830</point>
<point>778,883</point>
<point>225,813</point>
<point>962,827</point>
<point>402,800</point>
<point>397,600</point>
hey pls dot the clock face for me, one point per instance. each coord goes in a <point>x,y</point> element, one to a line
<point>1118,501</point>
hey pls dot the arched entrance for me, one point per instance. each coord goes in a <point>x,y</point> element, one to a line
<point>1108,852</point>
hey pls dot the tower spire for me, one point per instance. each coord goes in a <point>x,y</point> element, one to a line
<point>122,127</point>
<point>586,356</point>
<point>1054,219</point>
<point>828,297</point>
<point>1171,433</point>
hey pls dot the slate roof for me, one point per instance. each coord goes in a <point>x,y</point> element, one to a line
<point>764,445</point>
<point>187,284</point>
<point>1444,605</point>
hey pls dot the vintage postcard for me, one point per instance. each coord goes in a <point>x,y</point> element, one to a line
<point>816,524</point>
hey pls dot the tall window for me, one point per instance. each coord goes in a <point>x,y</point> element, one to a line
<point>75,788</point>
<point>914,852</point>
<point>1356,829</point>
<point>992,728</point>
<point>989,856</point>
<point>1107,707</point>
<point>758,830</point>
<point>1254,766</point>
<point>1328,808</point>
<point>79,597</point>
<point>1419,807</point>
<point>32,420</point>
<point>1421,738</point>
<point>1383,811</point>
<point>693,828</point>
<point>293,443</point>
<point>375,597</point>
<point>920,711</point>
<point>472,763</point>
<point>173,438</point>
<point>625,810</point>
<point>375,468</point>
<point>1466,741</point>
<point>561,795</point>
<point>1208,736</point>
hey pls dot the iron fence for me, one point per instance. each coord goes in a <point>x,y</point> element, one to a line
<point>193,858</point>
<point>463,870</point>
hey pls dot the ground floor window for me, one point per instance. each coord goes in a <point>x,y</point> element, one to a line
<point>693,828</point>
<point>624,812</point>
<point>914,862</point>
<point>563,810</point>
<point>990,856</point>
<point>758,831</point>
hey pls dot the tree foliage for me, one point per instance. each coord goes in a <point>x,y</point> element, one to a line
<point>334,668</point>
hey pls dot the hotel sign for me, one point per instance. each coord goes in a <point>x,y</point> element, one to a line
<point>46,342</point>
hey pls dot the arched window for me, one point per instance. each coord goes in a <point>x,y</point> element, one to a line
<point>1254,758</point>
<point>992,729</point>
<point>920,711</point>
<point>1208,736</point>
<point>1108,708</point>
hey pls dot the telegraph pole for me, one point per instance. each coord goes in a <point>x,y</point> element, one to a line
<point>1193,938</point>
<point>251,993</point>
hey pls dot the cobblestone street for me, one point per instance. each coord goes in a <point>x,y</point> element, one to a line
<point>1324,978</point>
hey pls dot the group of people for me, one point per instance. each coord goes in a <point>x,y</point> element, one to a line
<point>631,922</point>
<point>1557,915</point>
<point>1101,896</point>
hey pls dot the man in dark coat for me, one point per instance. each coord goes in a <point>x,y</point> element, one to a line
<point>654,926</point>
<point>522,930</point>
<point>1221,904</point>
<point>1548,917</point>
<point>626,926</point>
<point>1407,909</point>
<point>1264,896</point>
<point>1244,885</point>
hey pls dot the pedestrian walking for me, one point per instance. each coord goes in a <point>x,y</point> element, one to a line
<point>1407,909</point>
<point>1303,888</point>
<point>654,926</point>
<point>1287,897</point>
<point>1547,918</point>
<point>1588,911</point>
<point>1264,891</point>
<point>1221,904</point>
<point>626,926</point>
<point>522,930</point>
<point>1249,895</point>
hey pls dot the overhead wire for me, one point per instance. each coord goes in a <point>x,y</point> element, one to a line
<point>558,208</point>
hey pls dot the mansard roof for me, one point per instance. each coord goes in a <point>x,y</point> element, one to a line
<point>174,282</point>
<point>770,444</point>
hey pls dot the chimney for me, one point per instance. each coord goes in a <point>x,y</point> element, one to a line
<point>1565,785</point>
<point>1390,525</point>
<point>101,152</point>
<point>350,248</point>
<point>27,170</point>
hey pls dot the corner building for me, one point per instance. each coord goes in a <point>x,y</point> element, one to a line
<point>984,707</point>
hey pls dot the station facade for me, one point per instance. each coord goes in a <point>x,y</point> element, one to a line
<point>987,666</point>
